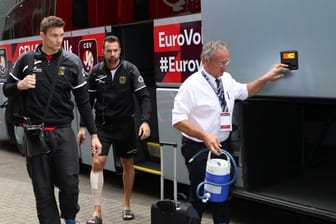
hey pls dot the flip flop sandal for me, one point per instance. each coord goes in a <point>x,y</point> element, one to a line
<point>94,220</point>
<point>127,214</point>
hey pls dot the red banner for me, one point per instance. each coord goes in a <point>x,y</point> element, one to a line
<point>177,48</point>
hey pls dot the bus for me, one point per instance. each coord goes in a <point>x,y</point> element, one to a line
<point>87,23</point>
<point>283,138</point>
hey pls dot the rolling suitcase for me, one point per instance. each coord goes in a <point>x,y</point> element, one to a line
<point>167,211</point>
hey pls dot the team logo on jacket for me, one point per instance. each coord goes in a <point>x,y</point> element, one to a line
<point>61,70</point>
<point>3,62</point>
<point>122,79</point>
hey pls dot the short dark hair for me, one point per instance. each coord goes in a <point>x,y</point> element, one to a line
<point>111,39</point>
<point>51,21</point>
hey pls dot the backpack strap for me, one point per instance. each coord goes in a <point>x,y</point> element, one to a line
<point>30,62</point>
<point>31,55</point>
<point>52,88</point>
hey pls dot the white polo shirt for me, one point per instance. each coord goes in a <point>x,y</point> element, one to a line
<point>197,102</point>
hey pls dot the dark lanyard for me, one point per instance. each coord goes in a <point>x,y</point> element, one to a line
<point>221,97</point>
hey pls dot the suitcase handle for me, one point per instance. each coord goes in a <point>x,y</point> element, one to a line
<point>174,146</point>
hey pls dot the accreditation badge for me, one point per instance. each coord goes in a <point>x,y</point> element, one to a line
<point>225,121</point>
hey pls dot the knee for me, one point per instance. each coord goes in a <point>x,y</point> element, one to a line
<point>98,164</point>
<point>127,164</point>
<point>71,184</point>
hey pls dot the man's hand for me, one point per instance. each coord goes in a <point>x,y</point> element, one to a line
<point>29,82</point>
<point>276,72</point>
<point>144,131</point>
<point>81,135</point>
<point>213,144</point>
<point>96,146</point>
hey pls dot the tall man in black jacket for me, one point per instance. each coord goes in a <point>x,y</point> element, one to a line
<point>59,167</point>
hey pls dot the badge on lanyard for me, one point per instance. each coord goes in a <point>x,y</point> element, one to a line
<point>225,121</point>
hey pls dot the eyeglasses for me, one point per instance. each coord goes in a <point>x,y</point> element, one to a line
<point>223,63</point>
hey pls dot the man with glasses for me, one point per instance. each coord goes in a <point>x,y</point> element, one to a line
<point>198,115</point>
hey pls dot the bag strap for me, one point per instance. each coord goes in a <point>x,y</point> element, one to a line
<point>53,84</point>
<point>30,63</point>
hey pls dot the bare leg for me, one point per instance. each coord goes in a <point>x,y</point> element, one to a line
<point>97,183</point>
<point>128,181</point>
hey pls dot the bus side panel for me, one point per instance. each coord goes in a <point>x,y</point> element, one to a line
<point>286,153</point>
<point>3,126</point>
<point>256,36</point>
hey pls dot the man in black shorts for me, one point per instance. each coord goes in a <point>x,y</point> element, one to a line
<point>112,84</point>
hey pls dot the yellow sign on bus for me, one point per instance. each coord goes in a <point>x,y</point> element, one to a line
<point>289,55</point>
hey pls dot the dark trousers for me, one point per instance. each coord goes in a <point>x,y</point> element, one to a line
<point>59,168</point>
<point>197,169</point>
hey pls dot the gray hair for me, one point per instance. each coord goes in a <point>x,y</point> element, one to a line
<point>211,47</point>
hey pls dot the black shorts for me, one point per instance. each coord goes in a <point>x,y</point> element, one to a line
<point>120,134</point>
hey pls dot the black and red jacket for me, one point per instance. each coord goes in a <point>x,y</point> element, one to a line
<point>70,89</point>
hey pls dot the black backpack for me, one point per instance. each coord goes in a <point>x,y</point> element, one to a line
<point>14,104</point>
